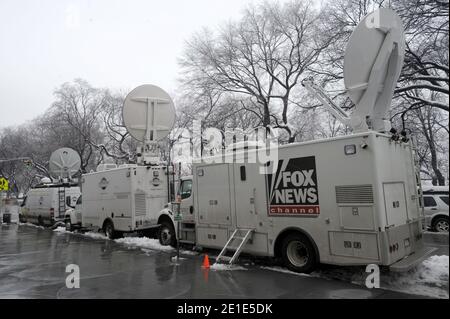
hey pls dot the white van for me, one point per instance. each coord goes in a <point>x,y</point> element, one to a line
<point>46,204</point>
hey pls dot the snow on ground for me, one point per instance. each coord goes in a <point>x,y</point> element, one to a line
<point>431,278</point>
<point>31,225</point>
<point>284,270</point>
<point>95,235</point>
<point>428,279</point>
<point>143,242</point>
<point>217,266</point>
<point>139,242</point>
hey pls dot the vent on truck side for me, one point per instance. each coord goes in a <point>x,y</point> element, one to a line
<point>354,194</point>
<point>139,204</point>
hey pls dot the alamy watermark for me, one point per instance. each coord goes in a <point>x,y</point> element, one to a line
<point>73,279</point>
<point>211,145</point>
<point>373,278</point>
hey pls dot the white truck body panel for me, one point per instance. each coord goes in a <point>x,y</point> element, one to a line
<point>354,208</point>
<point>131,197</point>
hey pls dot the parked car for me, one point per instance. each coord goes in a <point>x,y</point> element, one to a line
<point>435,200</point>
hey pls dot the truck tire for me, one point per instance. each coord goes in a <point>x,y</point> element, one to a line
<point>298,253</point>
<point>440,224</point>
<point>22,219</point>
<point>68,225</point>
<point>110,232</point>
<point>166,234</point>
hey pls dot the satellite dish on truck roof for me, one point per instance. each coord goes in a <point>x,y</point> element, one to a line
<point>64,163</point>
<point>148,113</point>
<point>372,64</point>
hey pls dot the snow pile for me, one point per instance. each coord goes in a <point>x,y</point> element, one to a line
<point>428,279</point>
<point>61,229</point>
<point>95,235</point>
<point>284,270</point>
<point>31,225</point>
<point>217,266</point>
<point>143,242</point>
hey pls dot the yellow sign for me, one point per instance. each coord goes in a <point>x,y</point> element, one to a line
<point>4,185</point>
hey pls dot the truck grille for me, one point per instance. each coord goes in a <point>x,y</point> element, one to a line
<point>354,194</point>
<point>139,204</point>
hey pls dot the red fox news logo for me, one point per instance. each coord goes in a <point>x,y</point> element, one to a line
<point>293,188</point>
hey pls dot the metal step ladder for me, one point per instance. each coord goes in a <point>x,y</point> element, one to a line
<point>61,201</point>
<point>239,235</point>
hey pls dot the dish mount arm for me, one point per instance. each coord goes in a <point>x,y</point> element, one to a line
<point>331,107</point>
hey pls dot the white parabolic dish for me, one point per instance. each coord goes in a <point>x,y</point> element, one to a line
<point>363,49</point>
<point>64,163</point>
<point>148,109</point>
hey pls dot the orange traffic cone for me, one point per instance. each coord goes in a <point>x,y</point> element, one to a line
<point>205,262</point>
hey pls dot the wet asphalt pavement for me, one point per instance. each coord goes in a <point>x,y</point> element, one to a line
<point>33,263</point>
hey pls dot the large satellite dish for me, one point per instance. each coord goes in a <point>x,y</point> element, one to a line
<point>64,163</point>
<point>148,113</point>
<point>372,63</point>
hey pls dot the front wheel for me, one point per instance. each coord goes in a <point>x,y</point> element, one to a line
<point>298,253</point>
<point>109,230</point>
<point>166,234</point>
<point>68,224</point>
<point>441,225</point>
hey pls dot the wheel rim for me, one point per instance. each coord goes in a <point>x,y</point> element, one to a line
<point>68,226</point>
<point>297,253</point>
<point>166,236</point>
<point>442,226</point>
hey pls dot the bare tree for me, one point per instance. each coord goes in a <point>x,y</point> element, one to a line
<point>258,59</point>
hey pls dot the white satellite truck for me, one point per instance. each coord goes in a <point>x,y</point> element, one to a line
<point>348,200</point>
<point>129,198</point>
<point>46,203</point>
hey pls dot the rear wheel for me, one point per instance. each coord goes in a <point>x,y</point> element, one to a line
<point>440,224</point>
<point>298,253</point>
<point>166,234</point>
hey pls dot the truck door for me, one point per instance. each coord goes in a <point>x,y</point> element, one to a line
<point>186,205</point>
<point>395,203</point>
<point>213,194</point>
<point>251,207</point>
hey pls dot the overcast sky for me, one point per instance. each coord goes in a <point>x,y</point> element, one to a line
<point>116,44</point>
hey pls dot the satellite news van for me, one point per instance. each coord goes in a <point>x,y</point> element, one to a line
<point>46,203</point>
<point>129,198</point>
<point>348,200</point>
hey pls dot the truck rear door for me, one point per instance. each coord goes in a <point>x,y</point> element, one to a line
<point>251,206</point>
<point>395,203</point>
